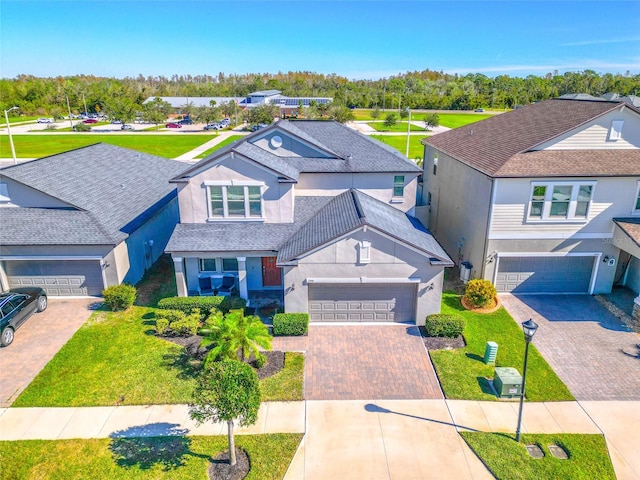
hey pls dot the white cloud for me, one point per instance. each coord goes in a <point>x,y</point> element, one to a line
<point>601,41</point>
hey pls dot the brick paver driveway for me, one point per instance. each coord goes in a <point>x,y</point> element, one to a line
<point>37,341</point>
<point>583,343</point>
<point>368,362</point>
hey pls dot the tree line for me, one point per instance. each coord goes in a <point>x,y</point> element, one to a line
<point>425,89</point>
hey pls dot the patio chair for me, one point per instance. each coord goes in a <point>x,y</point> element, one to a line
<point>205,287</point>
<point>228,286</point>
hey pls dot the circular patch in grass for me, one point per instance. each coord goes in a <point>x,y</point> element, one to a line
<point>490,309</point>
<point>220,469</point>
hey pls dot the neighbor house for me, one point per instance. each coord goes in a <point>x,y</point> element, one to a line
<point>80,221</point>
<point>543,199</point>
<point>315,214</point>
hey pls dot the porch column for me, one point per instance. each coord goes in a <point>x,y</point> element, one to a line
<point>242,277</point>
<point>181,284</point>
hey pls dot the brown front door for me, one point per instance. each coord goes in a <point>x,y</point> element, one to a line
<point>271,274</point>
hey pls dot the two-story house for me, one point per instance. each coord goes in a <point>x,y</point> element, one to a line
<point>318,214</point>
<point>543,199</point>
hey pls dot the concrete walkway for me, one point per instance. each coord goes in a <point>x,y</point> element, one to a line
<point>356,439</point>
<point>191,155</point>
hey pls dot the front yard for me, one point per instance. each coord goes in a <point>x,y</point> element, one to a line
<point>464,375</point>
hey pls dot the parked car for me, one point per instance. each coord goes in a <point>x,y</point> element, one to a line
<point>116,122</point>
<point>186,121</point>
<point>90,120</point>
<point>212,126</point>
<point>126,126</point>
<point>16,306</point>
<point>173,125</point>
<point>45,120</point>
<point>479,109</point>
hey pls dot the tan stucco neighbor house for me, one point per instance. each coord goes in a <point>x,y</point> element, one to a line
<point>542,199</point>
<point>315,213</point>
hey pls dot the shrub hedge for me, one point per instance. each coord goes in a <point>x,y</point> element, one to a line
<point>177,322</point>
<point>187,305</point>
<point>480,293</point>
<point>445,325</point>
<point>290,324</point>
<point>119,297</point>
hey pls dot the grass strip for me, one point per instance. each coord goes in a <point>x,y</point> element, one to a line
<point>509,460</point>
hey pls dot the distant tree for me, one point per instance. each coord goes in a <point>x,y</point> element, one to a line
<point>262,114</point>
<point>206,114</point>
<point>375,113</point>
<point>431,120</point>
<point>227,391</point>
<point>121,108</point>
<point>340,113</point>
<point>390,120</point>
<point>156,111</point>
<point>301,110</point>
<point>404,113</point>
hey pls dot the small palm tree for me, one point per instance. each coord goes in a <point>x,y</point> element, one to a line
<point>236,336</point>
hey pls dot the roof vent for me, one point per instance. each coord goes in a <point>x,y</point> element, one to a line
<point>349,157</point>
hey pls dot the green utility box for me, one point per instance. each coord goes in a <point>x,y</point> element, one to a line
<point>490,353</point>
<point>507,382</point>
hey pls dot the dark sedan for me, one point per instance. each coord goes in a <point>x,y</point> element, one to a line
<point>16,306</point>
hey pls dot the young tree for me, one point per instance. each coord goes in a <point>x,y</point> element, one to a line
<point>375,113</point>
<point>225,392</point>
<point>404,113</point>
<point>340,113</point>
<point>431,120</point>
<point>156,111</point>
<point>390,120</point>
<point>236,336</point>
<point>263,114</point>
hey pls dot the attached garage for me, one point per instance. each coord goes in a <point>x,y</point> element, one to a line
<point>554,274</point>
<point>377,302</point>
<point>57,277</point>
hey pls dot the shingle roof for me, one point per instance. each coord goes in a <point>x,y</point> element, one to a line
<point>113,185</point>
<point>630,226</point>
<point>489,144</point>
<point>564,163</point>
<point>352,210</point>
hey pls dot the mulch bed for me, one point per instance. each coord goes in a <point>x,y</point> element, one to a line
<point>275,363</point>
<point>441,343</point>
<point>220,469</point>
<point>468,306</point>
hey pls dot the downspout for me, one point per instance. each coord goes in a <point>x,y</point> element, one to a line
<point>486,235</point>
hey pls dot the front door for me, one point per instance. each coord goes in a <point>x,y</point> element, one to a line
<point>271,274</point>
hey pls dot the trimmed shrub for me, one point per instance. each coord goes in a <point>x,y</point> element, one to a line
<point>187,326</point>
<point>162,325</point>
<point>232,303</point>
<point>206,305</point>
<point>170,315</point>
<point>81,127</point>
<point>119,297</point>
<point>290,324</point>
<point>445,325</point>
<point>480,293</point>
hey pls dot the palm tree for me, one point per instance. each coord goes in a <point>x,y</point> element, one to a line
<point>236,336</point>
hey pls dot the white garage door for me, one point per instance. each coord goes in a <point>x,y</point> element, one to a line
<point>362,303</point>
<point>544,274</point>
<point>57,277</point>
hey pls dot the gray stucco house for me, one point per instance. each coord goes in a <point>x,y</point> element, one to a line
<point>543,199</point>
<point>316,214</point>
<point>80,221</point>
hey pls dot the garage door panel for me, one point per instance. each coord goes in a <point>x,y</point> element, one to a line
<point>363,303</point>
<point>568,274</point>
<point>57,277</point>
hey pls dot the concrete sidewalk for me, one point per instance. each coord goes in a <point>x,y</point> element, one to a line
<point>355,439</point>
<point>192,154</point>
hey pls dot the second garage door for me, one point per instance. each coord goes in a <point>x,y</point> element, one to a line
<point>57,277</point>
<point>569,274</point>
<point>362,303</point>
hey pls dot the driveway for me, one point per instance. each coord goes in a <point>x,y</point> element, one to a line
<point>37,341</point>
<point>583,343</point>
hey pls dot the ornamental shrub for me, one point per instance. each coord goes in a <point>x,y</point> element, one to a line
<point>232,303</point>
<point>445,325</point>
<point>480,293</point>
<point>162,325</point>
<point>206,305</point>
<point>187,326</point>
<point>119,297</point>
<point>290,324</point>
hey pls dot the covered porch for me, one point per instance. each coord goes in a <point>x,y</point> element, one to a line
<point>626,237</point>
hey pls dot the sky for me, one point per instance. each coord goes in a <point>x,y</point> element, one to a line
<point>355,39</point>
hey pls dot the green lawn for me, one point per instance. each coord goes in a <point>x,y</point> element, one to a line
<point>170,458</point>
<point>223,143</point>
<point>455,120</point>
<point>36,146</point>
<point>399,142</point>
<point>13,120</point>
<point>288,384</point>
<point>509,460</point>
<point>400,126</point>
<point>64,128</point>
<point>462,372</point>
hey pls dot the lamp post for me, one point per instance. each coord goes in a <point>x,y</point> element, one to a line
<point>13,149</point>
<point>408,132</point>
<point>529,328</point>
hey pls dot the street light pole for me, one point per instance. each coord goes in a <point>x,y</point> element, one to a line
<point>69,110</point>
<point>13,149</point>
<point>529,328</point>
<point>408,133</point>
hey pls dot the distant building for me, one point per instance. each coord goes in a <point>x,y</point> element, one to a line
<point>288,105</point>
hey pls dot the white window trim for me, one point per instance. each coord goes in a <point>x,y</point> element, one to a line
<point>225,206</point>
<point>398,198</point>
<point>219,265</point>
<point>573,202</point>
<point>634,210</point>
<point>365,252</point>
<point>615,132</point>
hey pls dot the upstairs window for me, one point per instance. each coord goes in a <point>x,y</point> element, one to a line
<point>560,201</point>
<point>615,133</point>
<point>637,202</point>
<point>235,201</point>
<point>435,163</point>
<point>398,186</point>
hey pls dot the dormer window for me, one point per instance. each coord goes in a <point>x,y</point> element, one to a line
<point>235,202</point>
<point>615,133</point>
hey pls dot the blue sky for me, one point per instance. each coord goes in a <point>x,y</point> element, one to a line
<point>356,39</point>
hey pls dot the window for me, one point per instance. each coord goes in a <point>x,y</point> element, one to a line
<point>398,186</point>
<point>235,201</point>
<point>560,201</point>
<point>616,130</point>
<point>229,264</point>
<point>365,252</point>
<point>638,201</point>
<point>435,163</point>
<point>208,265</point>
<point>636,204</point>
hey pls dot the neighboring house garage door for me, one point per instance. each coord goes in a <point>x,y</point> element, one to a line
<point>570,274</point>
<point>362,303</point>
<point>57,277</point>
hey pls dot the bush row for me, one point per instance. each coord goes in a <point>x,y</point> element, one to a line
<point>206,305</point>
<point>290,323</point>
<point>177,322</point>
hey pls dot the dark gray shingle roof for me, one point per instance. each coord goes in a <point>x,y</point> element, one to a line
<point>114,185</point>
